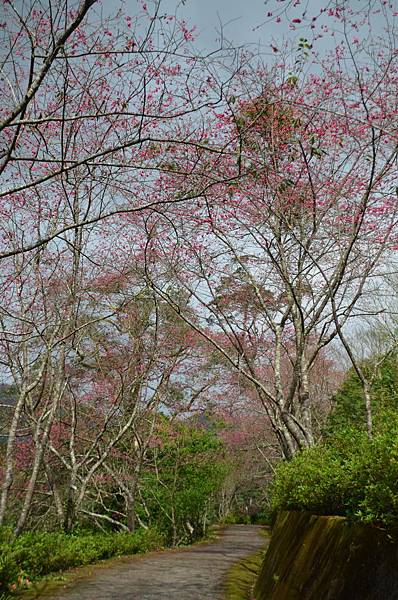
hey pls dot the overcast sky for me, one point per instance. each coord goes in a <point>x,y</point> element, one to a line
<point>240,20</point>
<point>245,21</point>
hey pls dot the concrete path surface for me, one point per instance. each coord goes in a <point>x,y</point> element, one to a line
<point>194,573</point>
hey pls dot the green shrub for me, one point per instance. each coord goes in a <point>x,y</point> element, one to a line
<point>349,403</point>
<point>235,519</point>
<point>347,474</point>
<point>181,495</point>
<point>34,554</point>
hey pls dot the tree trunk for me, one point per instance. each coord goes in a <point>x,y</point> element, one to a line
<point>130,512</point>
<point>41,447</point>
<point>9,458</point>
<point>368,409</point>
<point>56,494</point>
<point>70,509</point>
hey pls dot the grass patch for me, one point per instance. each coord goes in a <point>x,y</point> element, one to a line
<point>241,578</point>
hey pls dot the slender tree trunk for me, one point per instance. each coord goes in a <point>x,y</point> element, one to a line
<point>368,409</point>
<point>12,435</point>
<point>9,458</point>
<point>174,526</point>
<point>41,447</point>
<point>70,508</point>
<point>305,403</point>
<point>130,512</point>
<point>56,494</point>
<point>306,417</point>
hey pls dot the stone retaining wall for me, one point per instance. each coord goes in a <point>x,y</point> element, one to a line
<point>327,558</point>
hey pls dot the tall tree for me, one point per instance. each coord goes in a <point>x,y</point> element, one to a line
<point>278,265</point>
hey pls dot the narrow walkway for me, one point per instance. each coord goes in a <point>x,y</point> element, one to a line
<point>190,574</point>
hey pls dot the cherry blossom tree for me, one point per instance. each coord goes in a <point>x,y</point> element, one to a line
<point>96,107</point>
<point>104,99</point>
<point>279,264</point>
<point>176,226</point>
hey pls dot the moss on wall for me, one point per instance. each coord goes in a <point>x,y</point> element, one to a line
<point>328,558</point>
<point>241,577</point>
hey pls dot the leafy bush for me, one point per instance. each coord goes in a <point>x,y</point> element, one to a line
<point>34,554</point>
<point>347,474</point>
<point>235,519</point>
<point>180,495</point>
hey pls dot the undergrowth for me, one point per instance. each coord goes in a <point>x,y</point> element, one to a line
<point>34,555</point>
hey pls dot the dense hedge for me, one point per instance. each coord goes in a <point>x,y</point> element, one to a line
<point>35,554</point>
<point>347,474</point>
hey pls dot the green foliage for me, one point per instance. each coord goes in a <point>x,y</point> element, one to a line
<point>240,518</point>
<point>304,44</point>
<point>292,79</point>
<point>349,402</point>
<point>35,554</point>
<point>236,519</point>
<point>180,494</point>
<point>348,474</point>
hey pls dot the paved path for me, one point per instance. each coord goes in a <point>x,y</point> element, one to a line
<point>194,573</point>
